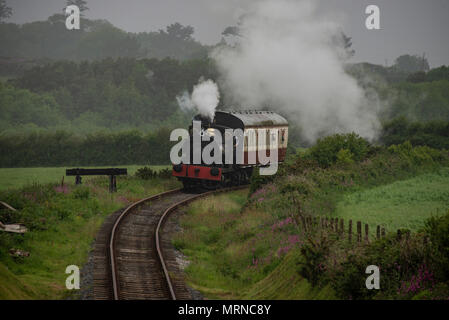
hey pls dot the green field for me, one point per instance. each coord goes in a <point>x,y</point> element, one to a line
<point>402,204</point>
<point>11,178</point>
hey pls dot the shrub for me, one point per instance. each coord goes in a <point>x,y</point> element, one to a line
<point>81,192</point>
<point>326,150</point>
<point>258,181</point>
<point>438,230</point>
<point>417,155</point>
<point>311,264</point>
<point>344,156</point>
<point>433,134</point>
<point>165,173</point>
<point>399,260</point>
<point>146,173</point>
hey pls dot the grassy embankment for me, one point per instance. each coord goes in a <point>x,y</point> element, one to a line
<point>62,224</point>
<point>251,248</point>
<point>223,244</point>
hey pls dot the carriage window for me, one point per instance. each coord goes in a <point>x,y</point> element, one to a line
<point>268,138</point>
<point>283,136</point>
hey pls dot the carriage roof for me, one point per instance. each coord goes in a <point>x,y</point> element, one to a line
<point>247,119</point>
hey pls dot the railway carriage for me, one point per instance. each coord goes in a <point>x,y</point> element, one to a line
<point>260,129</point>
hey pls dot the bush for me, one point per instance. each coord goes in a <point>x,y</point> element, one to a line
<point>417,155</point>
<point>434,134</point>
<point>81,193</point>
<point>258,181</point>
<point>438,230</point>
<point>311,264</point>
<point>399,260</point>
<point>327,150</point>
<point>345,156</point>
<point>147,173</point>
<point>165,173</point>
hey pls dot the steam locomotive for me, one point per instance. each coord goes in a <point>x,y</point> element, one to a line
<point>259,129</point>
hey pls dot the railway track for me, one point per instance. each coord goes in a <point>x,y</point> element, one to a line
<point>132,258</point>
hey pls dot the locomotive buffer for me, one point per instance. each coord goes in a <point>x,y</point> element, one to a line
<point>111,172</point>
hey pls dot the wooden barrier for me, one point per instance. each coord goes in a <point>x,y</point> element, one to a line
<point>337,225</point>
<point>350,231</point>
<point>359,231</point>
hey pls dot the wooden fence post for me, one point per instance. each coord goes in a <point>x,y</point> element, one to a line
<point>366,233</point>
<point>359,231</point>
<point>350,231</point>
<point>342,226</point>
<point>378,232</point>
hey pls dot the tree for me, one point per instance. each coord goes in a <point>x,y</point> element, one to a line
<point>343,43</point>
<point>5,11</point>
<point>177,30</point>
<point>347,45</point>
<point>81,4</point>
<point>412,64</point>
<point>231,31</point>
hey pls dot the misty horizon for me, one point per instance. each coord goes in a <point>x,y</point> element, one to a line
<point>407,27</point>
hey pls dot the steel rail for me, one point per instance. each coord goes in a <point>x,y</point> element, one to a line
<point>167,212</point>
<point>115,285</point>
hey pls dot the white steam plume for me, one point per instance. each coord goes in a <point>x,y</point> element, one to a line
<point>286,59</point>
<point>205,98</point>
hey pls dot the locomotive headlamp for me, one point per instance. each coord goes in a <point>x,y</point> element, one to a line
<point>211,132</point>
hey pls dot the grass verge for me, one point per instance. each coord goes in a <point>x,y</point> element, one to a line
<point>62,224</point>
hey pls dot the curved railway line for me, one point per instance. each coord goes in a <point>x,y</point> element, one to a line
<point>132,258</point>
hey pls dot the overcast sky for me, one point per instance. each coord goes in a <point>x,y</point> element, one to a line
<point>407,26</point>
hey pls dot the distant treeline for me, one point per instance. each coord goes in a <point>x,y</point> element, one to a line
<point>434,134</point>
<point>64,149</point>
<point>97,39</point>
<point>110,94</point>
